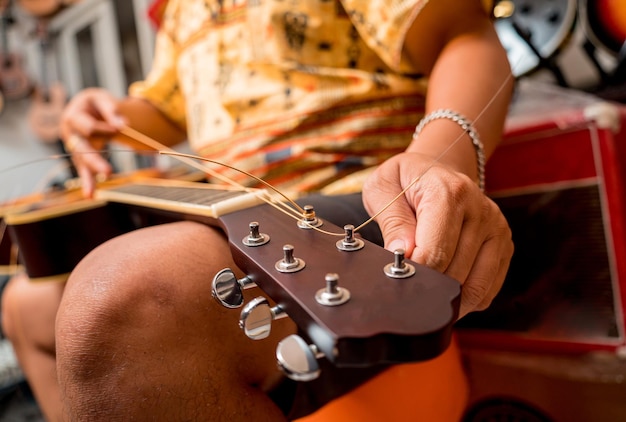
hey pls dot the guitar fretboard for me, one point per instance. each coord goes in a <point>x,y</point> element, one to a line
<point>196,198</point>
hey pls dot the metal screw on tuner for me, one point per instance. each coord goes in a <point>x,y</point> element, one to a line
<point>255,238</point>
<point>289,263</point>
<point>309,219</point>
<point>228,290</point>
<point>297,359</point>
<point>257,316</point>
<point>349,243</point>
<point>332,295</point>
<point>399,268</point>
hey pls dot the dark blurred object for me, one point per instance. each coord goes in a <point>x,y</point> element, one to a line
<point>533,32</point>
<point>560,179</point>
<point>552,347</point>
<point>514,386</point>
<point>604,22</point>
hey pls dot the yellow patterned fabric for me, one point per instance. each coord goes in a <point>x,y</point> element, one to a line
<point>301,93</point>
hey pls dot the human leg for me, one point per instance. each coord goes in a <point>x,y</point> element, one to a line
<point>139,337</point>
<point>28,316</point>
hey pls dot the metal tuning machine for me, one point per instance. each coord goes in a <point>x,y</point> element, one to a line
<point>257,316</point>
<point>289,263</point>
<point>297,359</point>
<point>309,219</point>
<point>349,243</point>
<point>255,238</point>
<point>228,290</point>
<point>399,268</point>
<point>332,295</point>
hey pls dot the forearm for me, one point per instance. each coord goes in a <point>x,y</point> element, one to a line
<point>146,119</point>
<point>468,73</point>
<point>471,77</point>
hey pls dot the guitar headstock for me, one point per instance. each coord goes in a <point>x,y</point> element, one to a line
<point>344,302</point>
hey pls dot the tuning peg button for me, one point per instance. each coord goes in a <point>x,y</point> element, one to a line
<point>228,290</point>
<point>289,263</point>
<point>309,219</point>
<point>398,268</point>
<point>257,316</point>
<point>297,359</point>
<point>255,238</point>
<point>332,295</point>
<point>349,243</point>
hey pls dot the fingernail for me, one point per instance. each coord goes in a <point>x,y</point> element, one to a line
<point>119,121</point>
<point>396,244</point>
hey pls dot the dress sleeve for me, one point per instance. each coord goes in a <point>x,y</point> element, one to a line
<point>383,25</point>
<point>161,86</point>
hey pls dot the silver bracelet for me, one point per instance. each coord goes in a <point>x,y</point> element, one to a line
<point>468,128</point>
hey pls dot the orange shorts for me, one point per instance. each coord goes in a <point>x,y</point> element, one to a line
<point>435,391</point>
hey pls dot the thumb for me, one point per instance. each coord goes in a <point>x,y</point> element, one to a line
<point>398,228</point>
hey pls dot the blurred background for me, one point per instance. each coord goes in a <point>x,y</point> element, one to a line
<point>552,346</point>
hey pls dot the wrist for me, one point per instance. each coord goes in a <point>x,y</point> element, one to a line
<point>450,138</point>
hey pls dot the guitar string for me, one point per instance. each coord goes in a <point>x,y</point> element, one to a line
<point>189,159</point>
<point>296,213</point>
<point>166,151</point>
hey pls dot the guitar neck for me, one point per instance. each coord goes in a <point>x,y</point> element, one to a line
<point>386,319</point>
<point>37,226</point>
<point>186,198</point>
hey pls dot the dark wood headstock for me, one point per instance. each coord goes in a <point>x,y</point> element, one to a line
<point>385,319</point>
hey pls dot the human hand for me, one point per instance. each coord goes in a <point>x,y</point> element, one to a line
<point>88,121</point>
<point>444,222</point>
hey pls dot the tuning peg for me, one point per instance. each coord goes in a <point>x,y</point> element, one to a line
<point>332,295</point>
<point>289,263</point>
<point>349,243</point>
<point>228,290</point>
<point>398,268</point>
<point>297,359</point>
<point>255,238</point>
<point>309,219</point>
<point>257,316</point>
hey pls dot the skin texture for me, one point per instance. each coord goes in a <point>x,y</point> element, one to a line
<point>137,337</point>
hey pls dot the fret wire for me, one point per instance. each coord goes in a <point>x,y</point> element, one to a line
<point>194,196</point>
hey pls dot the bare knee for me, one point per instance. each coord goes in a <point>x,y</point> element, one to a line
<point>150,284</point>
<point>137,328</point>
<point>137,277</point>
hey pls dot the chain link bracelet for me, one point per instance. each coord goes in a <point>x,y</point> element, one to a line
<point>468,128</point>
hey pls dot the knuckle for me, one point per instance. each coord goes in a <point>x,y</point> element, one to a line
<point>476,295</point>
<point>438,258</point>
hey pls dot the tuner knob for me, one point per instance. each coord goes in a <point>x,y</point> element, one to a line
<point>398,268</point>
<point>255,237</point>
<point>309,220</point>
<point>257,316</point>
<point>289,263</point>
<point>297,359</point>
<point>349,243</point>
<point>228,290</point>
<point>332,295</point>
